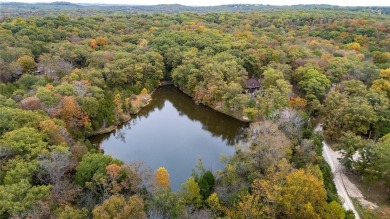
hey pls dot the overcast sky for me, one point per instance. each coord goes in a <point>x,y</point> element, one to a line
<point>221,2</point>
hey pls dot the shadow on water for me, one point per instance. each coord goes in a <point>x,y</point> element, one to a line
<point>218,124</point>
<point>174,132</point>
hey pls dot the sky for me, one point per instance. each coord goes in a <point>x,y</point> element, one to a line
<point>221,2</point>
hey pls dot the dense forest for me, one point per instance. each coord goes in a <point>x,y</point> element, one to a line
<point>67,74</point>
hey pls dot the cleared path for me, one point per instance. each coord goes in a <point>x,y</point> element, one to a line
<point>338,171</point>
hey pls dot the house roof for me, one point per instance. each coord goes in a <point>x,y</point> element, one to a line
<point>252,83</point>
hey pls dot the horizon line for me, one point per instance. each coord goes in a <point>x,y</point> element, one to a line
<point>124,4</point>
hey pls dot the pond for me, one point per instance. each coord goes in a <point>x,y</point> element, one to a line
<point>174,132</point>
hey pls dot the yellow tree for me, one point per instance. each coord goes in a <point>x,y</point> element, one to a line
<point>113,173</point>
<point>162,178</point>
<point>117,207</point>
<point>385,73</point>
<point>303,195</point>
<point>249,206</point>
<point>298,103</point>
<point>101,41</point>
<point>383,84</point>
<point>69,212</point>
<point>353,46</point>
<point>213,202</point>
<point>286,193</point>
<point>191,192</point>
<point>53,131</point>
<point>27,63</point>
<point>118,105</point>
<point>142,43</point>
<point>144,91</point>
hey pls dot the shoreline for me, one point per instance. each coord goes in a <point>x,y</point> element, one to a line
<point>111,128</point>
<point>213,108</point>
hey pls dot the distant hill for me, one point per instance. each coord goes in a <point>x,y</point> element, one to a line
<point>12,9</point>
<point>63,3</point>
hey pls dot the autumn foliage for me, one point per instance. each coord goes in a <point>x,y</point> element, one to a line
<point>27,63</point>
<point>162,178</point>
<point>117,207</point>
<point>31,103</point>
<point>70,112</point>
<point>93,43</point>
<point>67,74</point>
<point>144,91</point>
<point>99,41</point>
<point>298,103</point>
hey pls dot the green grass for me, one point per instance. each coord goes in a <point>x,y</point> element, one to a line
<point>363,212</point>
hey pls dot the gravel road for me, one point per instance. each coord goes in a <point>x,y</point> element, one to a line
<point>339,177</point>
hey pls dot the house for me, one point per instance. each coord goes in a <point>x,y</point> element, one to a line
<point>252,85</point>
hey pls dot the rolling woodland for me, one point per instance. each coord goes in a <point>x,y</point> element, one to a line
<point>68,72</point>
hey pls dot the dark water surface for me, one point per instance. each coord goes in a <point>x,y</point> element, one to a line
<point>174,132</point>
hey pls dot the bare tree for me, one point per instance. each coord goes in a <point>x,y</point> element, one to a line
<point>155,213</point>
<point>54,67</point>
<point>55,165</point>
<point>200,214</point>
<point>291,123</point>
<point>31,103</point>
<point>266,144</point>
<point>307,151</point>
<point>9,72</point>
<point>40,210</point>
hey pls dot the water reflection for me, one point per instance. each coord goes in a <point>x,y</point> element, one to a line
<point>216,123</point>
<point>174,132</point>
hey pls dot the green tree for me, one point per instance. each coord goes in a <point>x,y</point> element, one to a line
<point>191,192</point>
<point>270,77</point>
<point>313,82</point>
<point>338,68</point>
<point>165,204</point>
<point>13,118</point>
<point>275,97</point>
<point>48,96</point>
<point>343,113</point>
<point>25,141</point>
<point>69,212</point>
<point>206,183</point>
<point>381,106</point>
<point>27,63</point>
<point>250,112</point>
<point>28,82</point>
<point>365,71</point>
<point>349,145</point>
<point>19,198</point>
<point>381,161</point>
<point>92,164</point>
<point>19,169</point>
<point>358,115</point>
<point>233,97</point>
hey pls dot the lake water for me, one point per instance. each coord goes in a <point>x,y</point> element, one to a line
<point>174,132</point>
